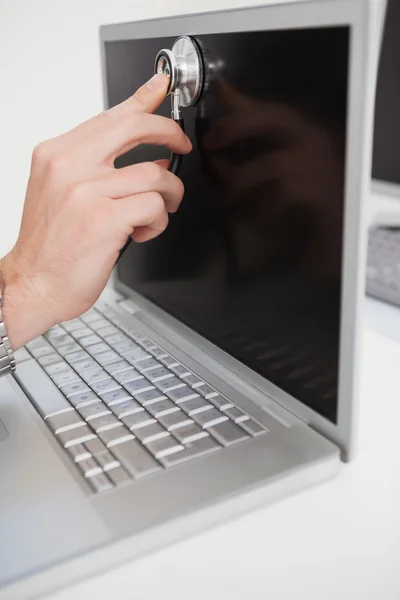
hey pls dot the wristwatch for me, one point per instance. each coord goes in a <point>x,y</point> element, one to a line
<point>7,360</point>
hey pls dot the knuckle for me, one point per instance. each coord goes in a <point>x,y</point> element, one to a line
<point>41,153</point>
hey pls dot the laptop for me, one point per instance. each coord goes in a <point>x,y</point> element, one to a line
<point>218,371</point>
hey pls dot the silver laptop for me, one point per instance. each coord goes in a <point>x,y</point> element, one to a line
<point>218,371</point>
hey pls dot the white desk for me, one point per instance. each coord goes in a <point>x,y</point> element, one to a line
<point>340,541</point>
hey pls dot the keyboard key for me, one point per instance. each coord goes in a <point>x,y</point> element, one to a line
<point>179,370</point>
<point>71,437</point>
<point>106,358</point>
<point>84,365</point>
<point>78,452</point>
<point>42,351</point>
<point>136,459</point>
<point>221,402</point>
<point>138,419</point>
<point>190,433</point>
<point>158,373</point>
<point>174,420</point>
<point>130,374</point>
<point>95,447</point>
<point>207,391</point>
<point>100,483</point>
<point>118,366</point>
<point>115,396</point>
<point>49,359</point>
<point>37,343</point>
<point>164,446</point>
<point>162,407</point>
<point>99,323</point>
<point>83,399</point>
<point>150,433</point>
<point>60,340</point>
<point>182,394</point>
<point>92,411</point>
<point>96,374</point>
<point>105,422</point>
<point>194,449</point>
<point>136,355</point>
<point>227,433</point>
<point>107,461</point>
<point>98,349</point>
<point>253,428</point>
<point>89,340</point>
<point>91,315</point>
<point>57,367</point>
<point>74,388</point>
<point>157,352</point>
<point>117,435</point>
<point>89,467</point>
<point>147,364</point>
<point>196,405</point>
<point>118,476</point>
<point>64,421</point>
<point>68,348</point>
<point>116,337</point>
<point>65,376</point>
<point>169,361</point>
<point>126,407</point>
<point>148,397</point>
<point>237,415</point>
<point>73,325</point>
<point>209,418</point>
<point>54,331</point>
<point>147,344</point>
<point>101,387</point>
<point>105,331</point>
<point>81,332</point>
<point>140,385</point>
<point>76,357</point>
<point>192,380</point>
<point>125,347</point>
<point>169,384</point>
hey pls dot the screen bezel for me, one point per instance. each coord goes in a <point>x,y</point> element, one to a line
<point>294,15</point>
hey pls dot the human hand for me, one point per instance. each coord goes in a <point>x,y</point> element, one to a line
<point>79,211</point>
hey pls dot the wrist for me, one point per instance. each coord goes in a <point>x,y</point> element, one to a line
<point>23,312</point>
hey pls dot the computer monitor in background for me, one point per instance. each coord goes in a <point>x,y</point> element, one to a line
<point>386,154</point>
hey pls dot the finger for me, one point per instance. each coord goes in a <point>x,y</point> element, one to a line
<point>142,216</point>
<point>142,178</point>
<point>138,129</point>
<point>242,126</point>
<point>146,99</point>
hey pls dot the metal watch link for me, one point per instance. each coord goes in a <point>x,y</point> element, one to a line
<point>7,360</point>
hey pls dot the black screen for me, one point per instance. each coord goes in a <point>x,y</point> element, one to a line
<point>252,260</point>
<point>386,154</point>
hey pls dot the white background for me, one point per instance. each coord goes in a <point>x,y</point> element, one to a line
<point>340,541</point>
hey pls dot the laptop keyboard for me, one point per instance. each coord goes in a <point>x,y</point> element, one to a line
<point>129,409</point>
<point>383,269</point>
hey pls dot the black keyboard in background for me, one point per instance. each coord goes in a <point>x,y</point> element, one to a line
<point>383,264</point>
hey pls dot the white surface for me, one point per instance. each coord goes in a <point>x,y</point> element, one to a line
<point>338,541</point>
<point>341,540</point>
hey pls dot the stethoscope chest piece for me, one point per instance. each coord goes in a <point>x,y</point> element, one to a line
<point>183,66</point>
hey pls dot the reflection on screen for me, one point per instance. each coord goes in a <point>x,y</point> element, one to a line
<point>252,260</point>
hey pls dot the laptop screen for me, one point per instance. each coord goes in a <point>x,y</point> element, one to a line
<point>252,260</point>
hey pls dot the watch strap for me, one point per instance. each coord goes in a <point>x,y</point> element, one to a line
<point>7,359</point>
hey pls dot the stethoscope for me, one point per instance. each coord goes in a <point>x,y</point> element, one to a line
<point>183,65</point>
